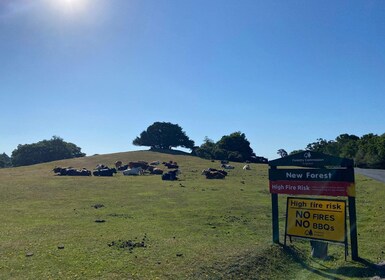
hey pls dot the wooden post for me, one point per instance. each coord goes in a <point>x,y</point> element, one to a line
<point>274,205</point>
<point>319,249</point>
<point>353,227</point>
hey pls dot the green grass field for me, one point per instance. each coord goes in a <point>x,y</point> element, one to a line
<point>192,228</point>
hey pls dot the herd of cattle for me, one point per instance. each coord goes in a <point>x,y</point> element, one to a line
<point>141,168</point>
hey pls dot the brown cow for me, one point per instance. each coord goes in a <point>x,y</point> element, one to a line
<point>142,164</point>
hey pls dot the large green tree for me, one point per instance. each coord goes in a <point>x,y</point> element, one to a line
<point>282,153</point>
<point>164,135</point>
<point>234,147</point>
<point>210,150</point>
<point>371,151</point>
<point>44,151</point>
<point>237,146</point>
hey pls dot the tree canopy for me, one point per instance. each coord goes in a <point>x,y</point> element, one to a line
<point>234,147</point>
<point>367,151</point>
<point>282,153</point>
<point>237,146</point>
<point>164,135</point>
<point>44,151</point>
<point>5,160</point>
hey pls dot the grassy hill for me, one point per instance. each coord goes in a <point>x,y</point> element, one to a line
<point>193,228</point>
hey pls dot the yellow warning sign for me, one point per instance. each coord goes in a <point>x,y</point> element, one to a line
<point>316,219</point>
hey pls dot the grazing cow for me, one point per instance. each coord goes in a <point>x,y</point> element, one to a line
<point>155,162</point>
<point>224,161</point>
<point>133,171</point>
<point>171,175</point>
<point>227,166</point>
<point>104,172</point>
<point>118,164</point>
<point>247,167</point>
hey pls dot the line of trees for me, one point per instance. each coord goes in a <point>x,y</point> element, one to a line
<point>165,135</point>
<point>159,135</point>
<point>367,151</point>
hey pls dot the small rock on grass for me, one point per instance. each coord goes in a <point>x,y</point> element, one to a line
<point>29,254</point>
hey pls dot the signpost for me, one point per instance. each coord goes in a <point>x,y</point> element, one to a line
<point>320,175</point>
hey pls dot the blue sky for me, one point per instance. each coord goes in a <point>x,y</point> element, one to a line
<point>99,72</point>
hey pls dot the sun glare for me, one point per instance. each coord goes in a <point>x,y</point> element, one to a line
<point>71,6</point>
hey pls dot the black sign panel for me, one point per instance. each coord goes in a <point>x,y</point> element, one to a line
<point>338,175</point>
<point>311,159</point>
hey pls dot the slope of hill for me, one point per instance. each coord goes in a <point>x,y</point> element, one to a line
<point>140,227</point>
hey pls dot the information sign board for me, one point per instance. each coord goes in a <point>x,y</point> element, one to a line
<point>330,182</point>
<point>316,219</point>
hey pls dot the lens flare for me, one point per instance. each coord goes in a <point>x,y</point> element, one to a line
<point>71,6</point>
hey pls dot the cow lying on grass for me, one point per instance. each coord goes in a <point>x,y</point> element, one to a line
<point>156,171</point>
<point>171,165</point>
<point>140,163</point>
<point>118,164</point>
<point>103,170</point>
<point>212,173</point>
<point>123,167</point>
<point>247,167</point>
<point>133,171</point>
<point>227,166</point>
<point>171,175</point>
<point>70,171</point>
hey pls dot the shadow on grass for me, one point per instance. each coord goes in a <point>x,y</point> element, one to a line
<point>367,269</point>
<point>298,257</point>
<point>361,268</point>
<point>288,262</point>
<point>170,152</point>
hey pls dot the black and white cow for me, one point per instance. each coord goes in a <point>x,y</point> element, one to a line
<point>104,172</point>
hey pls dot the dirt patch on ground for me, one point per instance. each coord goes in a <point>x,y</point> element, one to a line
<point>130,245</point>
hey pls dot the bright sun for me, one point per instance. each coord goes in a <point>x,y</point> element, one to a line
<point>72,5</point>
